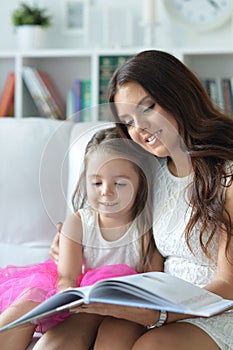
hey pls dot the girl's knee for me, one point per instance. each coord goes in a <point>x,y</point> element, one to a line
<point>49,341</point>
<point>16,310</point>
<point>117,334</point>
<point>103,334</point>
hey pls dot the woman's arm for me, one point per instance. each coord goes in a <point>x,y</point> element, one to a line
<point>70,252</point>
<point>223,283</point>
<point>156,261</point>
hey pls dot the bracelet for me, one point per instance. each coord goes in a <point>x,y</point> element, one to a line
<point>162,319</point>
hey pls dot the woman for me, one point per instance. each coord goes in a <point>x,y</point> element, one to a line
<point>160,104</point>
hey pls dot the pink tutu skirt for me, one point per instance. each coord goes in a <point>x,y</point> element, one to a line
<point>38,282</point>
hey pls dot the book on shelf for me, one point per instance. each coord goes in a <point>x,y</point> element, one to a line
<point>44,93</point>
<point>213,91</point>
<point>35,91</point>
<point>7,96</point>
<point>70,105</point>
<point>53,95</point>
<point>220,91</point>
<point>107,66</point>
<point>78,101</point>
<point>221,103</point>
<point>153,290</point>
<point>86,112</point>
<point>227,95</point>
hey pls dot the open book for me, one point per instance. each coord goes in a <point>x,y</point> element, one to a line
<point>154,290</point>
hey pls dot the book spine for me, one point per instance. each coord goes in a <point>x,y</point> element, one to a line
<point>231,93</point>
<point>35,91</point>
<point>227,95</point>
<point>203,82</point>
<point>107,66</point>
<point>7,96</point>
<point>11,111</point>
<point>55,112</point>
<point>53,95</point>
<point>77,87</point>
<point>70,105</point>
<point>86,112</point>
<point>213,91</point>
<point>220,94</point>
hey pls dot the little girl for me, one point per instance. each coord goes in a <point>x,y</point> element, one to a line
<point>108,235</point>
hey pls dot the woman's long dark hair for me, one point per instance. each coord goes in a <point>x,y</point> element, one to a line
<point>109,140</point>
<point>206,131</point>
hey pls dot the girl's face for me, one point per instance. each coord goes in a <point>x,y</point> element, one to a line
<point>148,124</point>
<point>112,184</point>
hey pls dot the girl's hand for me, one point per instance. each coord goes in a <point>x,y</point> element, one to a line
<point>54,248</point>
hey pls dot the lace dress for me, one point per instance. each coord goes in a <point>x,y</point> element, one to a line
<point>171,214</point>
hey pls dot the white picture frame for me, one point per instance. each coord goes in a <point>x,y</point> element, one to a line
<point>75,17</point>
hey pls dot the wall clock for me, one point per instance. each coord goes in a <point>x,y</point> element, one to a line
<point>201,15</point>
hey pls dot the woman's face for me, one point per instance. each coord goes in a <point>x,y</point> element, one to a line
<point>148,124</point>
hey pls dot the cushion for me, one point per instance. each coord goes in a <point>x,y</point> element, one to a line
<point>32,201</point>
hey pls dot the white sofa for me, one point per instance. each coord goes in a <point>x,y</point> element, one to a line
<point>40,161</point>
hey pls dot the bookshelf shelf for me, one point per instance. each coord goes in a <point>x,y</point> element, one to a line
<point>64,66</point>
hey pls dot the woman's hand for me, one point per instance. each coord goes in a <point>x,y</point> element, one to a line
<point>138,315</point>
<point>54,248</point>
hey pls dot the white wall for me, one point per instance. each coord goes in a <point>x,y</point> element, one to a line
<point>124,30</point>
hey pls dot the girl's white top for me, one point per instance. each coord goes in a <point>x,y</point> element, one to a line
<point>98,252</point>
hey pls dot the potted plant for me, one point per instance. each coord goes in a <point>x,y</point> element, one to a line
<point>30,22</point>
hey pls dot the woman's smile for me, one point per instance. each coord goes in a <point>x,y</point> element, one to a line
<point>151,140</point>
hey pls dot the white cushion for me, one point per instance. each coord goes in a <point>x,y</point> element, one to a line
<point>32,151</point>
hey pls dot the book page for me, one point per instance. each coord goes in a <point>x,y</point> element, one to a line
<point>159,290</point>
<point>57,303</point>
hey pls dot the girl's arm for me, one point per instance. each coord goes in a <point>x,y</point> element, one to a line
<point>54,248</point>
<point>70,252</point>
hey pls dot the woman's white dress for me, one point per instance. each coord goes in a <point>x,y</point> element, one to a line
<point>171,214</point>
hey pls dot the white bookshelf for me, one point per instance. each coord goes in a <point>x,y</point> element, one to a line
<point>66,65</point>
